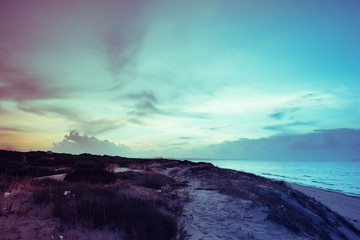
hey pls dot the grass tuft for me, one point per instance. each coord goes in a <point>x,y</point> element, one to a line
<point>96,207</point>
<point>90,173</point>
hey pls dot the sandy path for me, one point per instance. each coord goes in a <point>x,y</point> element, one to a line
<point>212,215</point>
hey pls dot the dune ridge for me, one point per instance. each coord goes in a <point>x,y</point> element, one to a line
<point>108,197</point>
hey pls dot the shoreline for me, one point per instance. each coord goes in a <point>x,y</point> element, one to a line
<point>304,174</point>
<point>193,200</point>
<point>344,205</point>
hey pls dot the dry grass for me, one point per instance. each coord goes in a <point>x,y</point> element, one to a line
<point>96,207</point>
<point>154,180</point>
<point>6,181</point>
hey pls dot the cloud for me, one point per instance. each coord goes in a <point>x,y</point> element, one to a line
<point>10,129</point>
<point>16,85</point>
<point>146,95</point>
<point>340,144</point>
<point>143,104</point>
<point>287,126</point>
<point>76,144</point>
<point>315,141</point>
<point>219,128</point>
<point>99,126</point>
<point>49,48</point>
<point>278,115</point>
<point>80,120</point>
<point>43,109</point>
<point>185,138</point>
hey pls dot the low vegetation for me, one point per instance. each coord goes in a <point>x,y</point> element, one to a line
<point>90,196</point>
<point>90,173</point>
<point>96,207</point>
<point>142,203</point>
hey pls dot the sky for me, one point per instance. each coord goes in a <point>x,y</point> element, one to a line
<point>203,78</point>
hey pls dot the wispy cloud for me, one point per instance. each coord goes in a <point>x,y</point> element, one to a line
<point>145,103</point>
<point>79,118</point>
<point>10,129</point>
<point>146,95</point>
<point>99,126</point>
<point>288,126</point>
<point>17,85</point>
<point>43,109</point>
<point>281,114</point>
<point>185,138</point>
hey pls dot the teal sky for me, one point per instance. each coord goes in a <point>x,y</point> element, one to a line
<point>172,77</point>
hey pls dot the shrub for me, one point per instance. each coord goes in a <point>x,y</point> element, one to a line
<point>90,173</point>
<point>95,207</point>
<point>17,168</point>
<point>5,182</point>
<point>12,167</point>
<point>154,180</point>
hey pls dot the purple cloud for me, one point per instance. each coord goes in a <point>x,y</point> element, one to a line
<point>18,86</point>
<point>10,129</point>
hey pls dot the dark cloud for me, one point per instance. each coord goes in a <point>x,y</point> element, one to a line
<point>145,103</point>
<point>312,97</point>
<point>219,128</point>
<point>322,144</point>
<point>144,96</point>
<point>309,95</point>
<point>185,138</point>
<point>281,114</point>
<point>287,126</point>
<point>277,115</point>
<point>10,129</point>
<point>76,144</point>
<point>43,109</point>
<point>315,141</point>
<point>145,108</point>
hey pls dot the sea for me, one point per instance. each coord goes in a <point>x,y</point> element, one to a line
<point>336,175</point>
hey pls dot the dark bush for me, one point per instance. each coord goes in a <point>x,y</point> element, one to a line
<point>95,207</point>
<point>154,180</point>
<point>12,167</point>
<point>15,156</point>
<point>6,181</point>
<point>18,168</point>
<point>91,173</point>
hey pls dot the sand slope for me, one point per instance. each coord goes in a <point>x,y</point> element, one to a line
<point>346,206</point>
<point>215,204</point>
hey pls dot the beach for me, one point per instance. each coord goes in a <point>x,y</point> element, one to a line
<point>182,199</point>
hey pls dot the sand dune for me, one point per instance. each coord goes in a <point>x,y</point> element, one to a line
<point>346,206</point>
<point>206,202</point>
